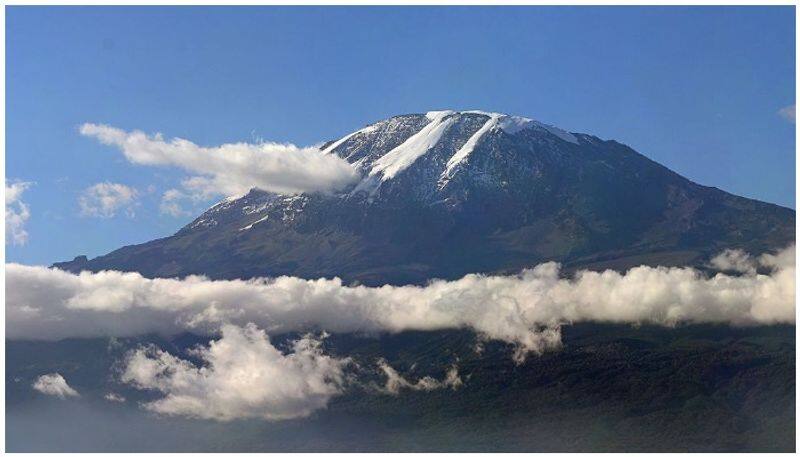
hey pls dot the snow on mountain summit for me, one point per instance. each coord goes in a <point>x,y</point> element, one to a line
<point>464,151</point>
<point>401,157</point>
<point>384,150</point>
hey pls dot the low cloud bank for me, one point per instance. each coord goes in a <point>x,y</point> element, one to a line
<point>54,384</point>
<point>243,376</point>
<point>230,169</point>
<point>526,310</point>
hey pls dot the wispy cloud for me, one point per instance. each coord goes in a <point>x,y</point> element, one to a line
<point>186,202</point>
<point>113,397</point>
<point>734,260</point>
<point>17,213</point>
<point>526,310</point>
<point>171,203</point>
<point>231,169</point>
<point>106,198</point>
<point>395,382</point>
<point>788,113</point>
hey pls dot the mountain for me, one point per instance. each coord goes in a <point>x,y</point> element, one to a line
<point>447,193</point>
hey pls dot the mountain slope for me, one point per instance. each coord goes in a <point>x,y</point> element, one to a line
<point>612,388</point>
<point>446,193</point>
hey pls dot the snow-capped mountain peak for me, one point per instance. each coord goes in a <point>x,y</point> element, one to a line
<point>447,193</point>
<point>387,149</point>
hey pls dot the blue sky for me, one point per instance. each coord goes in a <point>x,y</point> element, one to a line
<point>696,89</point>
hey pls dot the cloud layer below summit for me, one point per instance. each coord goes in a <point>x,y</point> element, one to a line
<point>526,310</point>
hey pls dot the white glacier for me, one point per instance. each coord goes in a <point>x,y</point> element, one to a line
<point>434,115</point>
<point>467,148</point>
<point>514,124</point>
<point>401,157</point>
<point>249,226</point>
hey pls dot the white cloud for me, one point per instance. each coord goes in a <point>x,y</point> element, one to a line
<point>395,382</point>
<point>116,398</point>
<point>243,376</point>
<point>54,384</point>
<point>106,198</point>
<point>788,113</point>
<point>17,213</point>
<point>780,260</point>
<point>171,203</point>
<point>181,203</point>
<point>232,169</point>
<point>734,260</point>
<point>526,310</point>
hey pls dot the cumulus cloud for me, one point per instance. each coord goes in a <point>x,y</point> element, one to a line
<point>17,213</point>
<point>395,382</point>
<point>526,310</point>
<point>54,384</point>
<point>788,113</point>
<point>106,198</point>
<point>243,376</point>
<point>231,169</point>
